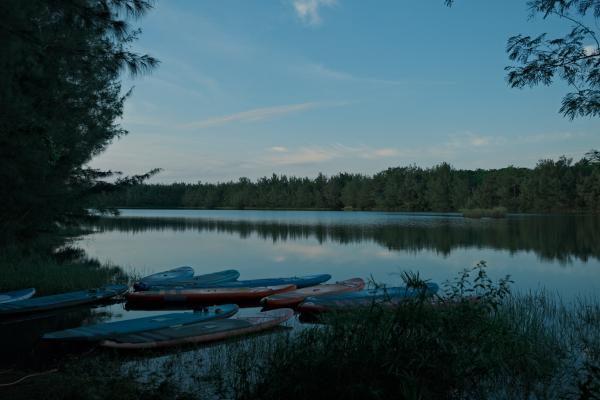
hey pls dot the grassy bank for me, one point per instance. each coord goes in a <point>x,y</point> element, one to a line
<point>500,346</point>
<point>496,212</point>
<point>51,265</point>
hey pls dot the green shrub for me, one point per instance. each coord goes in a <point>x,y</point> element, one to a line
<point>496,212</point>
<point>463,345</point>
<point>51,266</point>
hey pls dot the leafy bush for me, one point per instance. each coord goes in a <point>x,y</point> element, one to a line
<point>461,345</point>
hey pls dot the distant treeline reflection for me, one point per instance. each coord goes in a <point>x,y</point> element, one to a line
<point>561,238</point>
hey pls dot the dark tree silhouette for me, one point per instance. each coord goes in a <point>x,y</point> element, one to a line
<point>60,98</point>
<point>552,186</point>
<point>573,58</point>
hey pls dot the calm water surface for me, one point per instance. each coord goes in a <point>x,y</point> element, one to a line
<point>558,253</point>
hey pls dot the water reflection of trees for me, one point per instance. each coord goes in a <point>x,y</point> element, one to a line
<point>20,335</point>
<point>561,238</point>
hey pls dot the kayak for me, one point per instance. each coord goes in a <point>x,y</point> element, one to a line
<point>206,296</point>
<point>62,300</point>
<point>190,282</point>
<point>23,294</point>
<point>131,326</point>
<point>363,298</point>
<point>179,273</point>
<point>293,298</point>
<point>202,332</point>
<point>299,282</point>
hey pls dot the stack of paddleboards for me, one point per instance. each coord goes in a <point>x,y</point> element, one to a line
<point>216,297</point>
<point>183,277</point>
<point>202,326</point>
<point>163,289</point>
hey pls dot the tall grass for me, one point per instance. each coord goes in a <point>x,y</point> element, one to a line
<point>51,265</point>
<point>475,341</point>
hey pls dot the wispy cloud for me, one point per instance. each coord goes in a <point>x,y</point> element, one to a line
<point>320,154</point>
<point>470,140</point>
<point>278,149</point>
<point>453,149</point>
<point>321,71</point>
<point>550,137</point>
<point>389,152</point>
<point>591,50</point>
<point>258,114</point>
<point>309,10</point>
<point>303,155</point>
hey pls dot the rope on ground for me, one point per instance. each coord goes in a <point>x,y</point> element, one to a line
<point>28,376</point>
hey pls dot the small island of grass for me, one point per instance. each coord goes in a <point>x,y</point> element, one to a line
<point>496,212</point>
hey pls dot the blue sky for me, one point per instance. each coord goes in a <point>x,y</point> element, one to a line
<point>298,87</point>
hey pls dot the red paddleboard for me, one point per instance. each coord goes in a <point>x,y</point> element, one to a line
<point>206,296</point>
<point>203,332</point>
<point>293,298</point>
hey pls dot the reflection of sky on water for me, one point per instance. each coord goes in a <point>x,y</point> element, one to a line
<point>256,257</point>
<point>555,253</point>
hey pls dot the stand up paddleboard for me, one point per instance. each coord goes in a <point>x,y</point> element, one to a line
<point>203,332</point>
<point>298,281</point>
<point>293,298</point>
<point>188,281</point>
<point>107,330</point>
<point>17,295</point>
<point>63,300</point>
<point>205,296</point>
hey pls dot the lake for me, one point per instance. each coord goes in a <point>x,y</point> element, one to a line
<point>557,253</point>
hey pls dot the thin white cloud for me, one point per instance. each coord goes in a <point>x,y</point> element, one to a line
<point>389,152</point>
<point>320,154</point>
<point>278,149</point>
<point>550,137</point>
<point>309,10</point>
<point>591,50</point>
<point>471,140</point>
<point>302,156</point>
<point>258,114</point>
<point>323,72</point>
<point>458,146</point>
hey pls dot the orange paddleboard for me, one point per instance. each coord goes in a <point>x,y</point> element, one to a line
<point>295,297</point>
<point>206,296</point>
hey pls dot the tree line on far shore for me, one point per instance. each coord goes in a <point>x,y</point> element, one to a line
<point>551,186</point>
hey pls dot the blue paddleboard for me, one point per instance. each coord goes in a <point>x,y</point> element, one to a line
<point>62,300</point>
<point>299,281</point>
<point>134,326</point>
<point>205,280</point>
<point>23,294</point>
<point>179,274</point>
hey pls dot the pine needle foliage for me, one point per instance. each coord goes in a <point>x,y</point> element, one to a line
<point>60,101</point>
